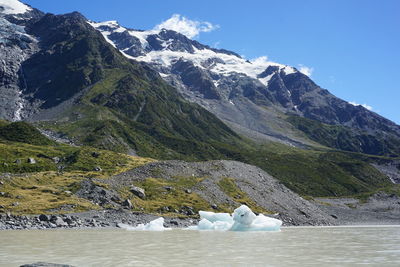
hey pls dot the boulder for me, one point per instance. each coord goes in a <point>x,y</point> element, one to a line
<point>31,161</point>
<point>127,203</point>
<point>58,221</point>
<point>97,169</point>
<point>69,221</point>
<point>44,218</point>
<point>45,264</point>
<point>137,191</point>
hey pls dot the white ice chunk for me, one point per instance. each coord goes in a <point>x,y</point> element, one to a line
<point>243,219</point>
<point>155,225</point>
<point>243,215</point>
<point>246,220</point>
<point>214,217</point>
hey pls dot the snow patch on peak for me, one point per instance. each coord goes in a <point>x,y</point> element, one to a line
<point>223,64</point>
<point>363,105</point>
<point>112,24</point>
<point>12,7</point>
<point>289,70</point>
<point>266,79</point>
<point>142,36</point>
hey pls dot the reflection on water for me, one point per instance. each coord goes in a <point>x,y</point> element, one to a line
<point>308,246</point>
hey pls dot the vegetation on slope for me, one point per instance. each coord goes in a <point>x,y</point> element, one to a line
<point>344,138</point>
<point>22,132</point>
<point>121,105</point>
<point>17,158</point>
<point>167,197</point>
<point>47,185</point>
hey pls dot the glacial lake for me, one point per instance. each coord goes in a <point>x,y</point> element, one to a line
<point>293,246</point>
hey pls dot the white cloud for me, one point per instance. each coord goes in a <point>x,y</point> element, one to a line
<point>190,28</point>
<point>216,44</point>
<point>306,70</point>
<point>263,60</point>
<point>364,105</point>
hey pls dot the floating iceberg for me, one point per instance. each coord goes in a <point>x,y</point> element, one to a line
<point>155,225</point>
<point>243,219</point>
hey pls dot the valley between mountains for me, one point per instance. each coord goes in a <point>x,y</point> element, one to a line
<point>102,124</point>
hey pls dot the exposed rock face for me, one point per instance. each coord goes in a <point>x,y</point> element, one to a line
<point>137,191</point>
<point>16,46</point>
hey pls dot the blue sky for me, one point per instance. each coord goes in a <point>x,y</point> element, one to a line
<point>352,46</point>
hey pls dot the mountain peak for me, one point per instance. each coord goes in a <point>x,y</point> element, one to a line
<point>13,7</point>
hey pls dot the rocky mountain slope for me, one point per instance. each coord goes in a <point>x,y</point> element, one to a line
<point>98,96</point>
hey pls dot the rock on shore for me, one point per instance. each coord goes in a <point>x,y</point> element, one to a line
<point>90,219</point>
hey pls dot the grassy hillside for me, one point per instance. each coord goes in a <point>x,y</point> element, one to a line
<point>48,184</point>
<point>341,137</point>
<point>14,158</point>
<point>22,132</point>
<point>320,172</point>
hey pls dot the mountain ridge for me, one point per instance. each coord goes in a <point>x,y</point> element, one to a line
<point>205,76</point>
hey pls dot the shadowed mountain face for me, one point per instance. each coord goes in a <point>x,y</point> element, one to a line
<point>254,98</point>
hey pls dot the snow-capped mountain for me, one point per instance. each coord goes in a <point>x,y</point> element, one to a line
<point>253,97</point>
<point>260,99</point>
<point>165,48</point>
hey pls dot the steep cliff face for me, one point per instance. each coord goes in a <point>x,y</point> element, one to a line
<point>16,46</point>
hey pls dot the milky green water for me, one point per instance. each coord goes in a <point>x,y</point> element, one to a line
<point>307,246</point>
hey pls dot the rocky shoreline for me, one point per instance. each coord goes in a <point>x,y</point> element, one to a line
<point>90,219</point>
